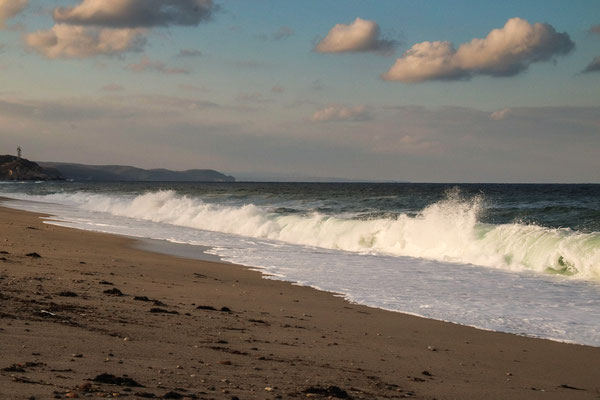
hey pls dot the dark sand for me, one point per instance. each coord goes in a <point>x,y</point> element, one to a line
<point>59,330</point>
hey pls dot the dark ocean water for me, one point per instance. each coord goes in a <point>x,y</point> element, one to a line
<point>551,205</point>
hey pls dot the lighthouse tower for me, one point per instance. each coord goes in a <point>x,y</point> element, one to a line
<point>19,152</point>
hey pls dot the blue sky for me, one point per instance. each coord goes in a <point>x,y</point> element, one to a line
<point>264,90</point>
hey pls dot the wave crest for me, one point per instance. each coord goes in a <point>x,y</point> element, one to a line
<point>448,230</point>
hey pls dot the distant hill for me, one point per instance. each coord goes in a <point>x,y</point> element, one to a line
<point>20,169</point>
<point>82,172</point>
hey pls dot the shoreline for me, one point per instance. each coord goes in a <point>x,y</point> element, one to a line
<point>278,340</point>
<point>468,293</point>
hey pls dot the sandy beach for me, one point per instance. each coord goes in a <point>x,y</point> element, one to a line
<point>85,314</point>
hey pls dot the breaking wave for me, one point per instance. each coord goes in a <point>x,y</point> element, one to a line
<point>448,230</point>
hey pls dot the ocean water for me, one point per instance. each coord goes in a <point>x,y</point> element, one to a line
<point>523,259</point>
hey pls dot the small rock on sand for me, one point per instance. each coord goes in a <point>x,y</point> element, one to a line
<point>162,310</point>
<point>115,380</point>
<point>67,293</point>
<point>331,391</point>
<point>207,308</point>
<point>114,292</point>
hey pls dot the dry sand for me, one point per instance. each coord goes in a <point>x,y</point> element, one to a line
<point>60,329</point>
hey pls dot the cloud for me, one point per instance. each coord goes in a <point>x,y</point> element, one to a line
<point>341,113</point>
<point>147,65</point>
<point>104,27</point>
<point>113,87</point>
<point>189,53</point>
<point>172,104</point>
<point>114,107</point>
<point>360,36</point>
<point>504,52</point>
<point>54,111</point>
<point>67,41</point>
<point>10,8</point>
<point>403,143</point>
<point>500,114</point>
<point>135,13</point>
<point>594,66</point>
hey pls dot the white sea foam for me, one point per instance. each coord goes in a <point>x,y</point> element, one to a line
<point>372,273</point>
<point>446,231</point>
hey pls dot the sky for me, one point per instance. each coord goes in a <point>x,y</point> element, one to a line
<point>386,90</point>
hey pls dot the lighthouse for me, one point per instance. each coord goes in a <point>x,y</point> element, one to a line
<point>19,152</point>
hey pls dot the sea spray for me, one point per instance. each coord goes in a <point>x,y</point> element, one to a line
<point>448,230</point>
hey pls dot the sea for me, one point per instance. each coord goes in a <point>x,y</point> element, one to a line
<point>517,258</point>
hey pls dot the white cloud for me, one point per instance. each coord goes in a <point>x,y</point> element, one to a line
<point>135,13</point>
<point>500,114</point>
<point>68,41</point>
<point>104,27</point>
<point>10,8</point>
<point>504,52</point>
<point>147,65</point>
<point>359,36</point>
<point>341,113</point>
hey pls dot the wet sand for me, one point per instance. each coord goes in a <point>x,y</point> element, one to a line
<point>96,316</point>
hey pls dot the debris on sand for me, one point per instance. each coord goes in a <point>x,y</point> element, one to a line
<point>564,386</point>
<point>33,255</point>
<point>162,310</point>
<point>114,292</point>
<point>115,380</point>
<point>44,313</point>
<point>67,293</point>
<point>258,321</point>
<point>173,395</point>
<point>154,301</point>
<point>207,308</point>
<point>14,368</point>
<point>145,395</point>
<point>331,391</point>
<point>211,308</point>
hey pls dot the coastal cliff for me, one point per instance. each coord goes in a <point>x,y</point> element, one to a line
<point>19,169</point>
<point>124,173</point>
